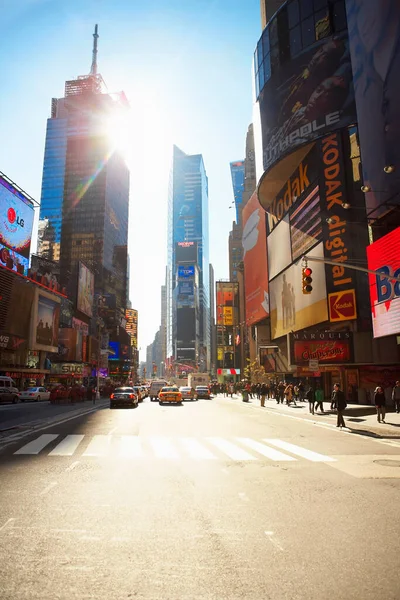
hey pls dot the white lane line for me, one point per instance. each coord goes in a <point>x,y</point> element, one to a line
<point>195,449</point>
<point>244,497</point>
<point>67,446</point>
<point>11,520</point>
<point>265,450</point>
<point>130,447</point>
<point>112,430</point>
<point>273,540</point>
<point>38,444</point>
<point>303,452</point>
<point>98,446</point>
<point>230,449</point>
<point>72,466</point>
<point>163,447</point>
<point>48,488</point>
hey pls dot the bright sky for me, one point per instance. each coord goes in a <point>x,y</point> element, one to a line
<point>185,66</point>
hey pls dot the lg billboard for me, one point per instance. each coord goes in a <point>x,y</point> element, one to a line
<point>384,256</point>
<point>16,221</point>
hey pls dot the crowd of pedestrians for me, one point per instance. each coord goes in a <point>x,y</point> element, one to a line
<point>292,393</point>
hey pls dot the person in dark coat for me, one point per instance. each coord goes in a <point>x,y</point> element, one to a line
<point>310,395</point>
<point>380,404</point>
<point>339,401</point>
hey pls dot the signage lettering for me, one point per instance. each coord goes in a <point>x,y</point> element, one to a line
<point>337,231</point>
<point>387,289</point>
<point>322,335</point>
<point>295,186</point>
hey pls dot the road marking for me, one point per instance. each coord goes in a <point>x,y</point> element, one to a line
<point>244,497</point>
<point>130,447</point>
<point>72,466</point>
<point>112,431</point>
<point>11,520</point>
<point>68,446</point>
<point>298,451</point>
<point>265,450</point>
<point>273,540</point>
<point>195,449</point>
<point>99,446</point>
<point>163,448</point>
<point>48,488</point>
<point>38,444</point>
<point>230,449</point>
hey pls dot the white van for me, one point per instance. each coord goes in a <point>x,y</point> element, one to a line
<point>9,384</point>
<point>155,387</point>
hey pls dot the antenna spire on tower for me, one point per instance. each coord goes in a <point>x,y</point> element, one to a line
<point>93,70</point>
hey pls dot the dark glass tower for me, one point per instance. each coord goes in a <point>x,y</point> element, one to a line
<point>85,186</point>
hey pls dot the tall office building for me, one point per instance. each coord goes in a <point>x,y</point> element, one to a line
<point>237,174</point>
<point>188,286</point>
<point>85,186</point>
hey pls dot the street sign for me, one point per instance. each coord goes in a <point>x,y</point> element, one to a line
<point>313,365</point>
<point>342,306</point>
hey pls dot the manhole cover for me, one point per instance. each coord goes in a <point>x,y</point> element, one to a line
<point>388,463</point>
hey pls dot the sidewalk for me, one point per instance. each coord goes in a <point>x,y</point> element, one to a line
<point>360,418</point>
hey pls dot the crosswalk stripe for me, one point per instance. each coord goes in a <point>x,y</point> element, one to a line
<point>35,446</point>
<point>67,446</point>
<point>195,449</point>
<point>130,447</point>
<point>230,449</point>
<point>99,446</point>
<point>265,450</point>
<point>163,447</point>
<point>298,451</point>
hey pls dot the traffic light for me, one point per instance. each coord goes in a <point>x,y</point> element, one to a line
<point>307,280</point>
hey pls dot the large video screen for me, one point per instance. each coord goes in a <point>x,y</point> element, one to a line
<point>186,326</point>
<point>85,290</point>
<point>186,252</point>
<point>16,222</point>
<point>48,314</point>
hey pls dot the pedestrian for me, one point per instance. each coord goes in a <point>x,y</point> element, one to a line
<point>296,391</point>
<point>339,401</point>
<point>311,399</point>
<point>396,396</point>
<point>380,403</point>
<point>263,393</point>
<point>280,392</point>
<point>319,399</point>
<point>289,394</point>
<point>301,391</point>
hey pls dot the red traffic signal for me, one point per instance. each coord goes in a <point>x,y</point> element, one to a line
<point>307,280</point>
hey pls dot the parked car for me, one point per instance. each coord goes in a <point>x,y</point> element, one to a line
<point>124,396</point>
<point>202,391</point>
<point>169,394</point>
<point>8,395</point>
<point>188,393</point>
<point>34,394</point>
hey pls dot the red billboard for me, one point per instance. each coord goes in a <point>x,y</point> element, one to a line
<point>384,256</point>
<point>254,243</point>
<point>324,351</point>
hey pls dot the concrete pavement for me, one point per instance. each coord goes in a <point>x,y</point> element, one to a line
<point>211,500</point>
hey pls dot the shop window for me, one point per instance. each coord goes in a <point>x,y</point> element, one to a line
<point>306,8</point>
<point>293,13</point>
<point>339,19</point>
<point>308,32</point>
<point>295,40</point>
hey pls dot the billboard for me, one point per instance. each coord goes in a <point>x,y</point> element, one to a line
<point>325,347</point>
<point>113,348</point>
<point>186,326</point>
<point>279,248</point>
<point>375,55</point>
<point>16,222</point>
<point>132,325</point>
<point>85,290</point>
<point>255,261</point>
<point>384,256</point>
<point>186,252</point>
<point>307,97</point>
<point>292,310</point>
<point>185,294</point>
<point>46,323</point>
<point>185,272</point>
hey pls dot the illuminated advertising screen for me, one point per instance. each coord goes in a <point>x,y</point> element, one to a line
<point>16,222</point>
<point>384,256</point>
<point>325,347</point>
<point>292,310</point>
<point>279,249</point>
<point>185,295</point>
<point>48,314</point>
<point>85,290</point>
<point>113,350</point>
<point>306,97</point>
<point>186,326</point>
<point>305,224</point>
<point>255,261</point>
<point>185,272</point>
<point>132,325</point>
<point>186,252</point>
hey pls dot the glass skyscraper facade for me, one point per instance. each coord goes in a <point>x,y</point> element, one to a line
<point>188,222</point>
<point>237,174</point>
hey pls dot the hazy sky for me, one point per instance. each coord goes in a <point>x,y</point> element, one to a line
<point>185,66</point>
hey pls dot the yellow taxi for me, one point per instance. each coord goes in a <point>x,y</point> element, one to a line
<point>169,394</point>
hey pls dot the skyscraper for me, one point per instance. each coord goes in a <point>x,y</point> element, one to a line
<point>237,174</point>
<point>85,186</point>
<point>188,286</point>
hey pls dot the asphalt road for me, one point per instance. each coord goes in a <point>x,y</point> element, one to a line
<point>212,500</point>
